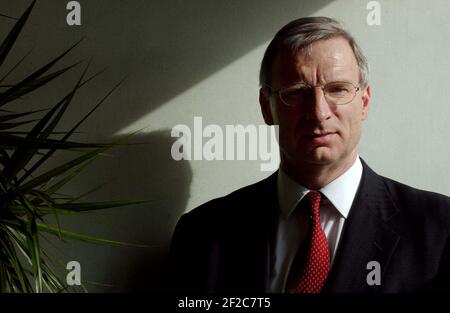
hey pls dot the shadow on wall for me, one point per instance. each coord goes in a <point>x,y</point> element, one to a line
<point>140,169</point>
<point>184,42</point>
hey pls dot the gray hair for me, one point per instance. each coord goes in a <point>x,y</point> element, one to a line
<point>302,32</point>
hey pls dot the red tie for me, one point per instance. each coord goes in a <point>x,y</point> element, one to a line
<point>317,265</point>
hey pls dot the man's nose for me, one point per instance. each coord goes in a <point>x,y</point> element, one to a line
<point>320,109</point>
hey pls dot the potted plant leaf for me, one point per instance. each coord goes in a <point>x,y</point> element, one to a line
<point>29,193</point>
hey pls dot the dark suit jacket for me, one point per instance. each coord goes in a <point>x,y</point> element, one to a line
<point>225,244</point>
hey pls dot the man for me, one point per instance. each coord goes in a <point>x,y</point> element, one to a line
<point>324,222</point>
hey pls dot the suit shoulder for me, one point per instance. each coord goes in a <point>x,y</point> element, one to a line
<point>415,195</point>
<point>425,205</point>
<point>226,207</point>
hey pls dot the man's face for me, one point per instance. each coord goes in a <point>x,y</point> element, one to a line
<point>316,132</point>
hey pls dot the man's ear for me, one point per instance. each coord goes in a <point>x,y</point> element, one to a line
<point>366,98</point>
<point>264,102</point>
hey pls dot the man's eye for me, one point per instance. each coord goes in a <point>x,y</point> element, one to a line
<point>337,89</point>
<point>299,91</point>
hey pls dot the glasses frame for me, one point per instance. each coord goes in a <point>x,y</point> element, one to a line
<point>280,90</point>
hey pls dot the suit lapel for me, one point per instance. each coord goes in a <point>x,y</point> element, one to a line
<point>367,236</point>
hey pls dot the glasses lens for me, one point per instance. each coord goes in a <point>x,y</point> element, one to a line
<point>339,92</point>
<point>295,95</point>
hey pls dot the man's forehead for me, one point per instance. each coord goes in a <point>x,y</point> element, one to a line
<point>336,48</point>
<point>333,53</point>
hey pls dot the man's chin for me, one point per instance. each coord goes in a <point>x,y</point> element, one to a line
<point>321,155</point>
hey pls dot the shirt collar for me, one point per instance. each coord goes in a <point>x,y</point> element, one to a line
<point>340,191</point>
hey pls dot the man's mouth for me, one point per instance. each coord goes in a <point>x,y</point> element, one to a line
<point>319,134</point>
<point>320,137</point>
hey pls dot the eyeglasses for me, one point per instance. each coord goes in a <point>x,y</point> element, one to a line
<point>336,93</point>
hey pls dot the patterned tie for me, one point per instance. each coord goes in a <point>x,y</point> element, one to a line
<point>312,276</point>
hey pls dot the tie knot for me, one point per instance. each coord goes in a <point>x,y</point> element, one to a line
<point>314,198</point>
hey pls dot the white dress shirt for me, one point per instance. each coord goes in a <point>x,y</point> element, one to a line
<point>291,228</point>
